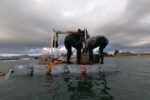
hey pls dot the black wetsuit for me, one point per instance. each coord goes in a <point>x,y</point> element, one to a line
<point>74,40</point>
<point>94,42</point>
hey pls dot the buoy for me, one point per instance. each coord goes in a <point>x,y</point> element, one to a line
<point>58,62</point>
<point>2,74</point>
<point>49,67</point>
<point>82,68</point>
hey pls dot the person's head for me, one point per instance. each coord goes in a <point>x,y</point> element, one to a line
<point>12,71</point>
<point>84,33</point>
<point>80,31</point>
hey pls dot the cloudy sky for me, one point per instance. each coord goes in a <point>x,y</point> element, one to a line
<point>26,25</point>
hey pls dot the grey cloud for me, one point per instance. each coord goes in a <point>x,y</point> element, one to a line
<point>30,22</point>
<point>128,29</point>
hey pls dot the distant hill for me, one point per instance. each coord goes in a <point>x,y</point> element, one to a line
<point>17,57</point>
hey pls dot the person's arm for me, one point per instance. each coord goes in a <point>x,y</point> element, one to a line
<point>80,39</point>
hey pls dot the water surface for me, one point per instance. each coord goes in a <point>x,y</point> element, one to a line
<point>122,79</point>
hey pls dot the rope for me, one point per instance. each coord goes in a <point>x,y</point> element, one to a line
<point>49,66</point>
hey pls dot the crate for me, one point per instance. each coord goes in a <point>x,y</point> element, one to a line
<point>85,58</point>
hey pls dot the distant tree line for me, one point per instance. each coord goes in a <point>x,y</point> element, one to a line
<point>118,53</point>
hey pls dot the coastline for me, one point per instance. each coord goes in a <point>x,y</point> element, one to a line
<point>129,57</point>
<point>33,59</point>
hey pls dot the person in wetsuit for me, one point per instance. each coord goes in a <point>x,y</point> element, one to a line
<point>94,42</point>
<point>75,40</point>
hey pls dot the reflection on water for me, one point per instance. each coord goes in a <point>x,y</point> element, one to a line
<point>78,88</point>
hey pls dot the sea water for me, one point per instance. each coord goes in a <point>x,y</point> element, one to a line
<point>117,79</point>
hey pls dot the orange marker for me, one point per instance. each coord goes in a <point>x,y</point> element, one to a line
<point>2,74</point>
<point>82,68</point>
<point>69,32</point>
<point>82,78</point>
<point>49,67</point>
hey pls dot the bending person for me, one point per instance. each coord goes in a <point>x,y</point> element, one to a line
<point>94,42</point>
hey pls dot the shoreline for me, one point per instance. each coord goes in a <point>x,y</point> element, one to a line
<point>129,57</point>
<point>31,59</point>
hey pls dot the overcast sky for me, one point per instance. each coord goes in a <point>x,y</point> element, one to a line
<point>26,25</point>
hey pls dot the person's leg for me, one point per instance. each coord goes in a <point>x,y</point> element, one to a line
<point>91,56</point>
<point>78,56</point>
<point>68,55</point>
<point>101,54</point>
<point>68,47</point>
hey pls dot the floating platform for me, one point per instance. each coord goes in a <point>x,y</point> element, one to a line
<point>64,68</point>
<point>84,59</point>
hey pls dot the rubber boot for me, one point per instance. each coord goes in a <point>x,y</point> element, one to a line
<point>68,57</point>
